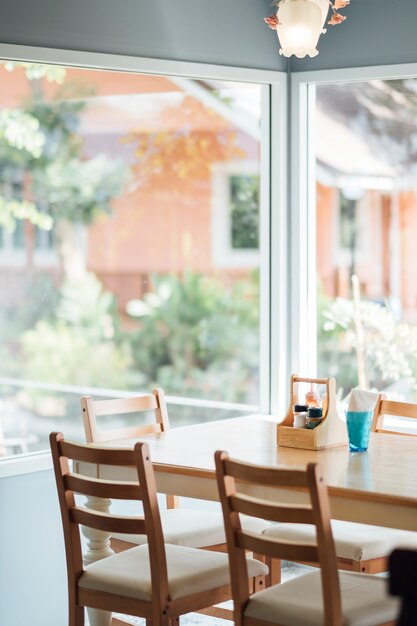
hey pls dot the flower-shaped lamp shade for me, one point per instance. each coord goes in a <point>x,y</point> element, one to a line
<point>324,6</point>
<point>299,28</point>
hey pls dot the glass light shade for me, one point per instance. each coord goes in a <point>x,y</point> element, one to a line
<point>324,7</point>
<point>301,24</point>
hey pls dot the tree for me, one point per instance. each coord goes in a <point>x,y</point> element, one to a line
<point>195,336</point>
<point>196,138</point>
<point>44,175</point>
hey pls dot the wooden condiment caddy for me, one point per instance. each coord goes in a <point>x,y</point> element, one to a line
<point>330,433</point>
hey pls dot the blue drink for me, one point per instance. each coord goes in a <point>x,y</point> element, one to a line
<point>359,427</point>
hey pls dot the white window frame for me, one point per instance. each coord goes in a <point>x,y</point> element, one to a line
<point>224,255</point>
<point>303,353</point>
<point>273,254</point>
<point>10,254</point>
<point>363,224</point>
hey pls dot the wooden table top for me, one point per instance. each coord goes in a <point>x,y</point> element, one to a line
<point>387,471</point>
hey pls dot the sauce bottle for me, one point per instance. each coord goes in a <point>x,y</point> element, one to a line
<point>312,398</point>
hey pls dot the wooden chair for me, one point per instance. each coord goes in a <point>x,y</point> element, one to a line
<point>386,407</point>
<point>321,598</point>
<point>185,527</point>
<point>359,547</point>
<point>156,581</point>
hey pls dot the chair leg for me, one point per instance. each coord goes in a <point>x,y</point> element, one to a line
<point>274,576</point>
<point>75,615</point>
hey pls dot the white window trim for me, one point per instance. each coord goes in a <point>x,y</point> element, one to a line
<point>274,262</point>
<point>303,353</point>
<point>224,255</point>
<point>10,254</point>
<point>363,223</point>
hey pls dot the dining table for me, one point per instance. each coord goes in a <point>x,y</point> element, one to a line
<point>377,486</point>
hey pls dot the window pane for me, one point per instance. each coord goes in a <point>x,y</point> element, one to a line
<point>366,148</point>
<point>138,260</point>
<point>244,210</point>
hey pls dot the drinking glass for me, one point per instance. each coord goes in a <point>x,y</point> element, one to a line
<point>359,427</point>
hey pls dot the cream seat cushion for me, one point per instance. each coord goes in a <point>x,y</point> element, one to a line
<point>195,529</point>
<point>299,602</point>
<point>358,542</point>
<point>189,571</point>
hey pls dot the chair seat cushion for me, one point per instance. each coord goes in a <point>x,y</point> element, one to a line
<point>359,542</point>
<point>299,602</point>
<point>189,571</point>
<point>194,529</point>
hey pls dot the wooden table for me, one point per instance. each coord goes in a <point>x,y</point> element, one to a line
<point>376,487</point>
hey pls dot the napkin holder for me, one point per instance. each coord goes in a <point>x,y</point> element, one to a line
<point>330,433</point>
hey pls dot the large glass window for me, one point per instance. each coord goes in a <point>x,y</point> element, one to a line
<point>366,149</point>
<point>129,245</point>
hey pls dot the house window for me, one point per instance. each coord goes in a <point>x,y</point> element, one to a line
<point>244,211</point>
<point>348,230</point>
<point>12,245</point>
<point>235,215</point>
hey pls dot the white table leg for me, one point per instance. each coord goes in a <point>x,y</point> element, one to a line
<point>98,541</point>
<point>99,618</point>
<point>98,547</point>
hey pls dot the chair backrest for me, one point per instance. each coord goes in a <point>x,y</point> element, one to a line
<point>92,409</point>
<point>154,402</point>
<point>70,483</point>
<point>233,475</point>
<point>385,407</point>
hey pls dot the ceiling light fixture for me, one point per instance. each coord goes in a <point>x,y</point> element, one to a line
<point>299,24</point>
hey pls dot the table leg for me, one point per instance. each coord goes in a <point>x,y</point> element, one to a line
<point>98,541</point>
<point>96,617</point>
<point>98,547</point>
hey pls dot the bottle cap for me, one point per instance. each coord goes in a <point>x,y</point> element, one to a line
<point>300,408</point>
<point>315,411</point>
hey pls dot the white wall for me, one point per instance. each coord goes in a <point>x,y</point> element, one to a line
<point>376,32</point>
<point>33,588</point>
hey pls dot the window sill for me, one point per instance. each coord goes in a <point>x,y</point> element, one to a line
<point>25,464</point>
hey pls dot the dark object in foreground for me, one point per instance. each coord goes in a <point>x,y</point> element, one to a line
<point>403,583</point>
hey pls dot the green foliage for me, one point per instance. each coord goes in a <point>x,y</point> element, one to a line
<point>79,343</point>
<point>334,356</point>
<point>21,131</point>
<point>390,346</point>
<point>13,210</point>
<point>197,337</point>
<point>80,190</point>
<point>42,155</point>
<point>36,71</point>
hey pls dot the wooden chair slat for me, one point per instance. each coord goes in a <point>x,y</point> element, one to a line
<point>400,409</point>
<point>90,454</point>
<point>154,402</point>
<point>276,549</point>
<point>132,432</point>
<point>98,488</point>
<point>390,407</point>
<point>107,522</point>
<point>273,512</point>
<point>265,475</point>
<point>146,402</point>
